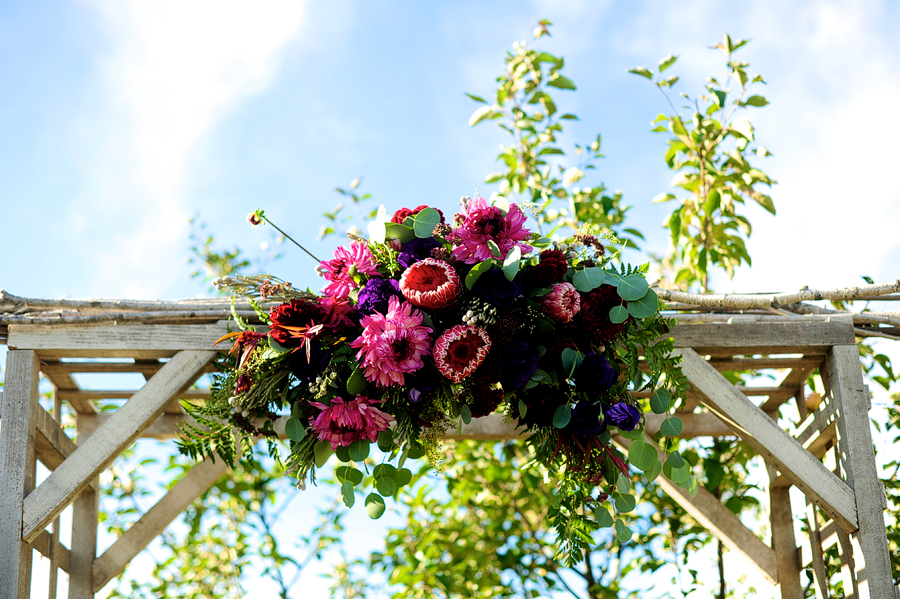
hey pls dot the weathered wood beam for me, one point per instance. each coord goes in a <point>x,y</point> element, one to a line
<point>726,364</point>
<point>723,339</point>
<point>790,385</point>
<point>191,486</point>
<point>51,548</point>
<point>123,341</point>
<point>17,469</point>
<point>852,404</point>
<point>787,554</point>
<point>816,445</point>
<point>191,394</point>
<point>710,513</point>
<point>771,442</point>
<point>65,380</point>
<point>101,448</point>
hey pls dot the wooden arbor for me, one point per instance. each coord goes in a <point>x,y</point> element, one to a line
<point>827,454</point>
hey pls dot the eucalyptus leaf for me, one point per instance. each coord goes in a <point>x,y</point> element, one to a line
<point>294,430</point>
<point>660,401</point>
<point>604,518</point>
<point>588,279</point>
<point>343,454</point>
<point>386,486</point>
<point>511,263</point>
<point>476,272</point>
<point>618,314</point>
<point>644,307</point>
<point>374,506</point>
<point>403,476</point>
<point>633,287</point>
<point>398,231</point>
<point>385,440</point>
<point>357,382</point>
<point>561,416</point>
<point>623,533</point>
<point>347,494</point>
<point>466,413</point>
<point>523,409</point>
<point>348,474</point>
<point>671,427</point>
<point>623,484</point>
<point>425,222</point>
<point>571,359</point>
<point>643,455</point>
<point>322,451</point>
<point>495,249</point>
<point>359,450</point>
<point>625,503</point>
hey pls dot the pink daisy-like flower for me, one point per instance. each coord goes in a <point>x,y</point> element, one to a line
<point>346,263</point>
<point>431,284</point>
<point>562,303</point>
<point>392,344</point>
<point>460,350</point>
<point>482,223</point>
<point>342,422</point>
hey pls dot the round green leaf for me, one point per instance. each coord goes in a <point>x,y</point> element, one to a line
<point>382,470</point>
<point>644,307</point>
<point>623,484</point>
<point>403,476</point>
<point>571,359</point>
<point>466,413</point>
<point>588,279</point>
<point>652,473</point>
<point>374,506</point>
<point>625,503</point>
<point>495,249</point>
<point>618,314</point>
<point>425,222</point>
<point>604,519</point>
<point>385,440</point>
<point>523,409</point>
<point>398,231</point>
<point>476,272</point>
<point>357,382</point>
<point>561,416</point>
<point>386,486</point>
<point>347,494</point>
<point>343,454</point>
<point>675,460</point>
<point>671,427</point>
<point>623,533</point>
<point>660,401</point>
<point>359,450</point>
<point>511,263</point>
<point>322,451</point>
<point>633,287</point>
<point>643,455</point>
<point>348,474</point>
<point>294,430</point>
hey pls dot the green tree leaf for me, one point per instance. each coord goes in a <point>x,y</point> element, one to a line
<point>758,101</point>
<point>666,62</point>
<point>374,506</point>
<point>671,427</point>
<point>588,279</point>
<point>294,430</point>
<point>644,307</point>
<point>561,82</point>
<point>561,416</point>
<point>618,314</point>
<point>633,287</point>
<point>660,401</point>
<point>642,71</point>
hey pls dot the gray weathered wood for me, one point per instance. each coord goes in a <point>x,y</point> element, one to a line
<point>721,339</point>
<point>710,513</point>
<point>767,439</point>
<point>84,544</point>
<point>784,543</point>
<point>852,405</point>
<point>124,341</point>
<point>84,394</point>
<point>65,381</point>
<point>20,405</point>
<point>101,448</point>
<point>50,547</point>
<point>194,484</point>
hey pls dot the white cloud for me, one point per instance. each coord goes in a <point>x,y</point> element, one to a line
<point>173,70</point>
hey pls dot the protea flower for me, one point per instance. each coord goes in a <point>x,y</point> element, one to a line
<point>430,284</point>
<point>562,303</point>
<point>344,422</point>
<point>460,350</point>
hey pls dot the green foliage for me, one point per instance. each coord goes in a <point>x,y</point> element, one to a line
<point>533,163</point>
<point>709,152</point>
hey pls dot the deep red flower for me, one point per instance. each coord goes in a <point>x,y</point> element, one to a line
<point>292,321</point>
<point>401,214</point>
<point>594,315</point>
<point>485,398</point>
<point>551,269</point>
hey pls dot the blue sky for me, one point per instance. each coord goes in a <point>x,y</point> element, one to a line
<point>121,119</point>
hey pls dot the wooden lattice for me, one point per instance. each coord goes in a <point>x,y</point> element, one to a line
<point>826,453</point>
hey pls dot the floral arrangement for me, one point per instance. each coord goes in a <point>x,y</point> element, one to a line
<point>428,324</point>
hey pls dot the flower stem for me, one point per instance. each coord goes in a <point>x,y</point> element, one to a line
<point>291,238</point>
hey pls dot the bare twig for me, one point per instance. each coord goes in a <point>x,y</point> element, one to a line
<point>777,300</point>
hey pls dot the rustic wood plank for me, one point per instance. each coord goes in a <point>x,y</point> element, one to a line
<point>51,548</point>
<point>851,399</point>
<point>784,543</point>
<point>767,439</point>
<point>101,448</point>
<point>84,544</point>
<point>111,341</point>
<point>848,567</point>
<point>65,380</point>
<point>52,444</point>
<point>20,405</point>
<point>710,513</point>
<point>726,364</point>
<point>810,338</point>
<point>790,385</point>
<point>816,445</point>
<point>84,394</point>
<point>191,486</point>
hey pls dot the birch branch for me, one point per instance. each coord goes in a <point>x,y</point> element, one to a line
<point>154,316</point>
<point>776,300</point>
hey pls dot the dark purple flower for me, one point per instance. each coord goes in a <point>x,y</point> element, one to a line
<point>374,295</point>
<point>595,375</point>
<point>422,381</point>
<point>494,288</point>
<point>307,371</point>
<point>587,420</point>
<point>517,364</point>
<point>416,249</point>
<point>623,416</point>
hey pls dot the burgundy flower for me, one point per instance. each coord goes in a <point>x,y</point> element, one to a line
<point>485,398</point>
<point>401,214</point>
<point>594,315</point>
<point>551,269</point>
<point>294,321</point>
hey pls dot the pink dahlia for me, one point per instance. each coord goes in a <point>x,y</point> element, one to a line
<point>347,263</point>
<point>460,350</point>
<point>392,344</point>
<point>482,223</point>
<point>431,284</point>
<point>342,422</point>
<point>562,303</point>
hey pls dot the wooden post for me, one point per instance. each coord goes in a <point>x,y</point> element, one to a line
<point>84,544</point>
<point>784,543</point>
<point>20,403</point>
<point>855,444</point>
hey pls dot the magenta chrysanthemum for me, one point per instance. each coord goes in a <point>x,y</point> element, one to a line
<point>460,350</point>
<point>562,303</point>
<point>346,263</point>
<point>483,223</point>
<point>431,284</point>
<point>342,422</point>
<point>392,344</point>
